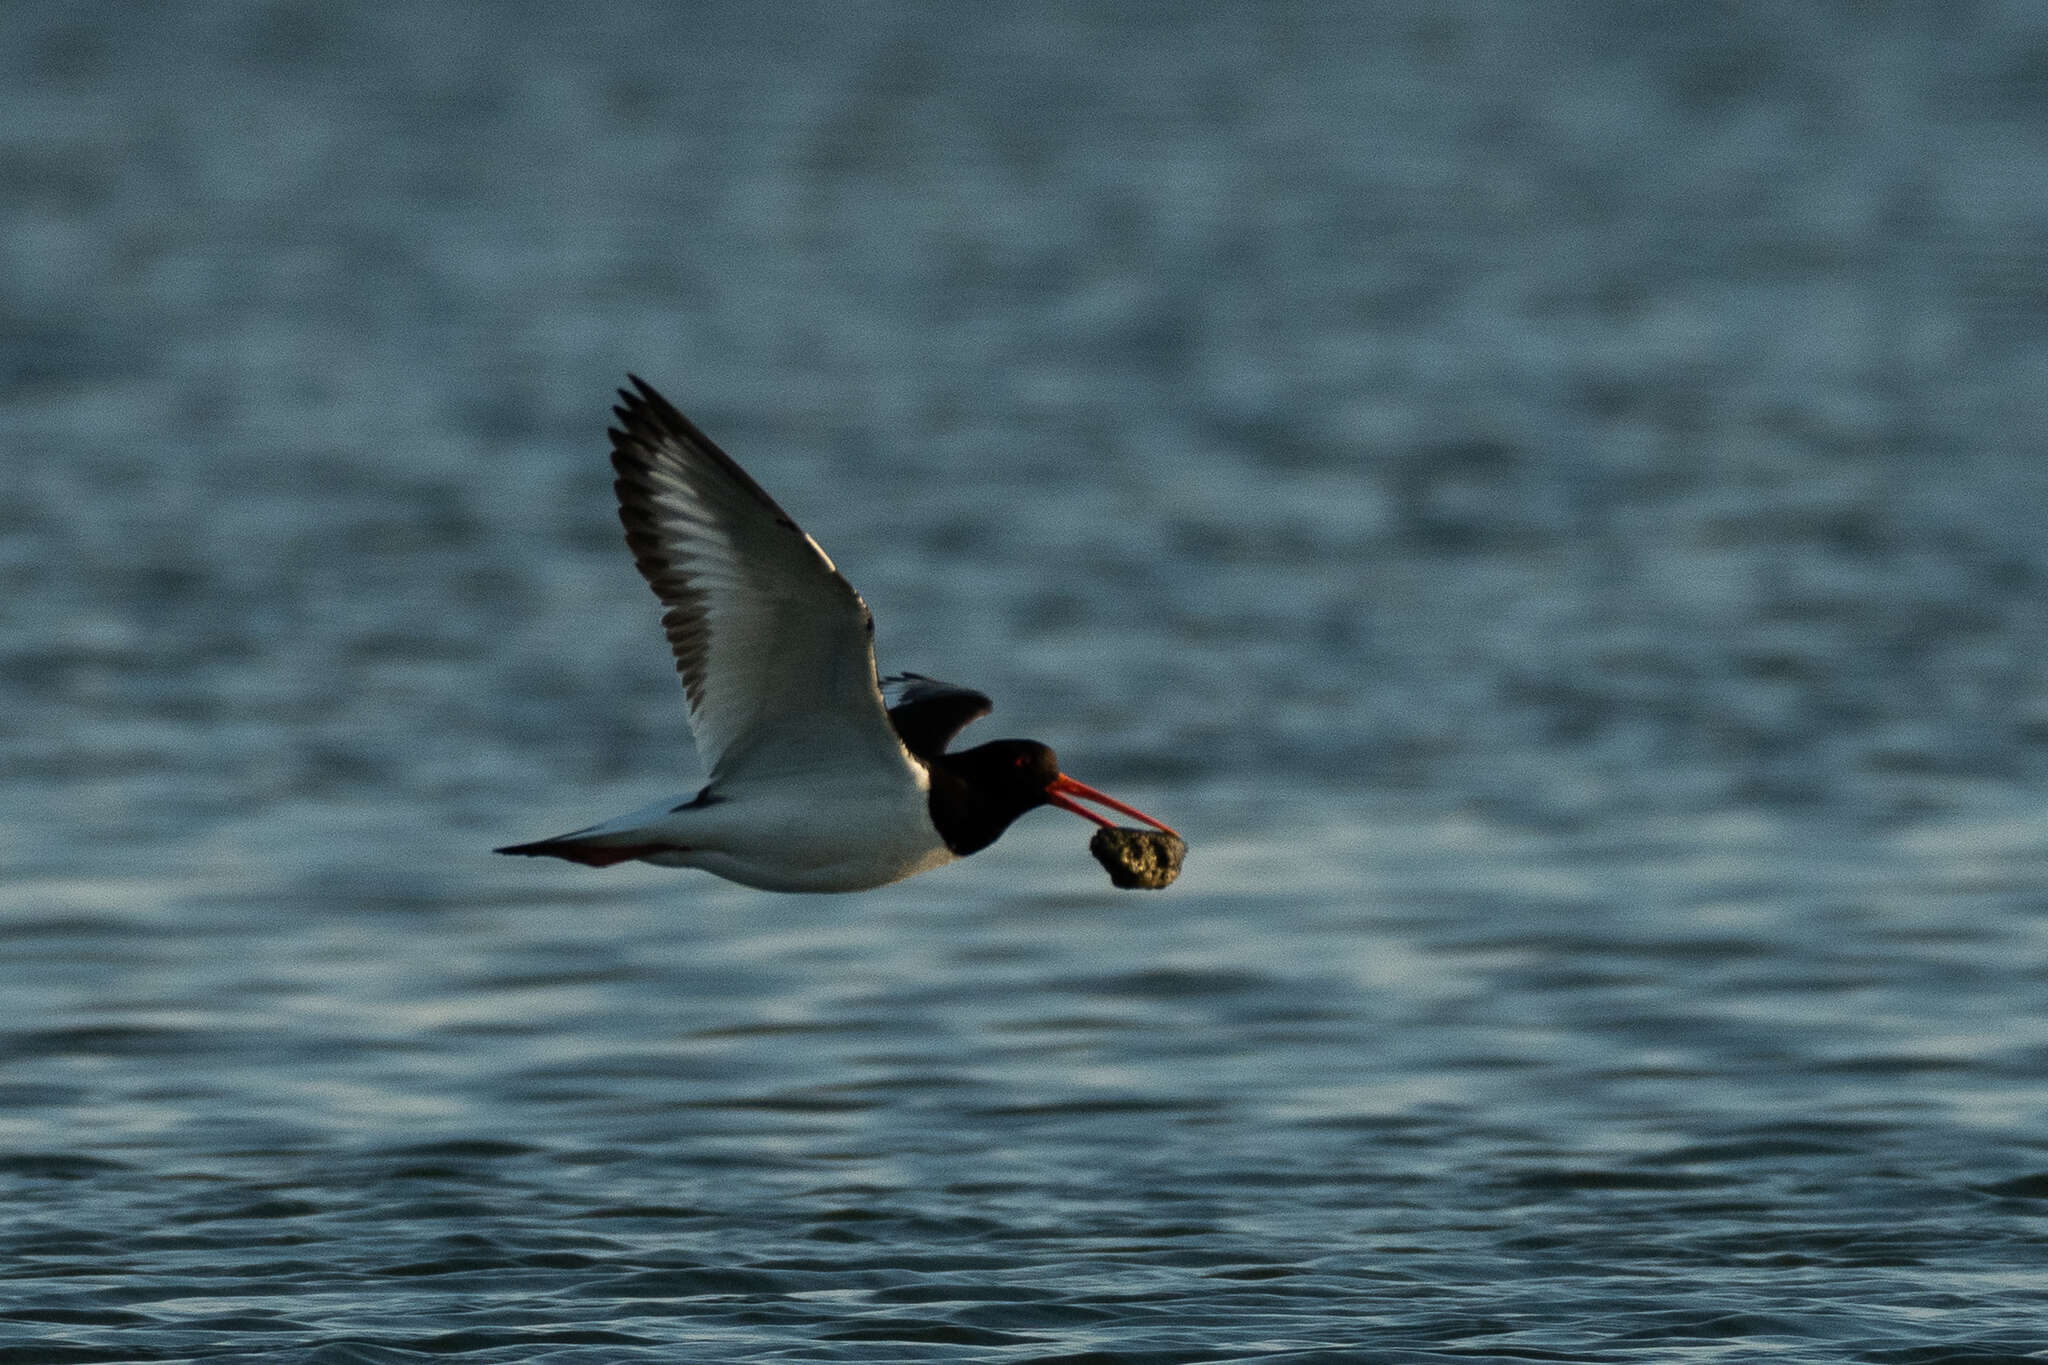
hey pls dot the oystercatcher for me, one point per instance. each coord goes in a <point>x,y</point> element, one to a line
<point>823,777</point>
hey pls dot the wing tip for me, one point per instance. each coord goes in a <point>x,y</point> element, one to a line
<point>643,405</point>
<point>653,433</point>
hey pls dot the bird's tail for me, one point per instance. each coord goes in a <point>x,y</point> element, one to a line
<point>588,848</point>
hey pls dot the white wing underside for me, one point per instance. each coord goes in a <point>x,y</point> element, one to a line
<point>774,646</point>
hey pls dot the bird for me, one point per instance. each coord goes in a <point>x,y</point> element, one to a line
<point>823,776</point>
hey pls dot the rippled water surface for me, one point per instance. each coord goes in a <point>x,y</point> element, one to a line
<point>1547,498</point>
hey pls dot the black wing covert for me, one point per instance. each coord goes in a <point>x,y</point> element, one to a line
<point>927,713</point>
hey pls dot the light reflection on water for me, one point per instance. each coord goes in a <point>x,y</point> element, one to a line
<point>1493,1077</point>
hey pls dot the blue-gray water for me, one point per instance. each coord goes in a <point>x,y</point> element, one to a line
<point>1547,497</point>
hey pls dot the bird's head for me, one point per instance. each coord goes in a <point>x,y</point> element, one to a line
<point>1011,776</point>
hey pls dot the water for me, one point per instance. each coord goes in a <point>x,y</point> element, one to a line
<point>1545,497</point>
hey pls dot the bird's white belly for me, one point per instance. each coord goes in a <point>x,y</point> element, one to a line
<point>827,836</point>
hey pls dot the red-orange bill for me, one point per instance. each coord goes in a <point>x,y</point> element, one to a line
<point>1062,790</point>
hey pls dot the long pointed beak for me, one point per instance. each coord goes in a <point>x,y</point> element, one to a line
<point>1062,790</point>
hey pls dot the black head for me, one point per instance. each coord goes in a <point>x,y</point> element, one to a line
<point>977,793</point>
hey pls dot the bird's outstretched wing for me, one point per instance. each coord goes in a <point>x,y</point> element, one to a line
<point>927,713</point>
<point>774,646</point>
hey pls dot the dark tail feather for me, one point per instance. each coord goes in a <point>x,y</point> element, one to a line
<point>580,851</point>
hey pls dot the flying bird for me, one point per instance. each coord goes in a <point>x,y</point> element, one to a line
<point>823,776</point>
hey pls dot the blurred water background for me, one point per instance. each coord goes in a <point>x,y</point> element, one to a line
<point>1548,497</point>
